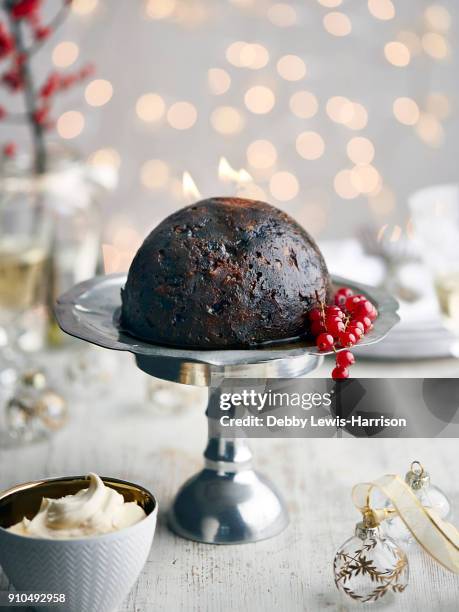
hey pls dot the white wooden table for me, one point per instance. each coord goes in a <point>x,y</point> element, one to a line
<point>120,435</point>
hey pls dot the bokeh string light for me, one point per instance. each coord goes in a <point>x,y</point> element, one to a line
<point>150,107</point>
<point>65,54</point>
<point>84,7</point>
<point>282,15</point>
<point>337,24</point>
<point>70,124</point>
<point>304,104</point>
<point>98,92</point>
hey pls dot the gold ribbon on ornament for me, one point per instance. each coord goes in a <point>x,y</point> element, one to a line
<point>438,538</point>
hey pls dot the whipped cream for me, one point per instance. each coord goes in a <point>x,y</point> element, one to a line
<point>92,511</point>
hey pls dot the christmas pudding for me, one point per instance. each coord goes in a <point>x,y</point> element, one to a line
<point>224,273</point>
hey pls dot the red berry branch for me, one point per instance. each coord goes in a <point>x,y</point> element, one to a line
<point>341,326</point>
<point>21,37</point>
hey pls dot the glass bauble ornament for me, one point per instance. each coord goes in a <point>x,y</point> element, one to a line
<point>430,497</point>
<point>370,566</point>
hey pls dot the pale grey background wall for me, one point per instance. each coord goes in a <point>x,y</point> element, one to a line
<point>167,47</point>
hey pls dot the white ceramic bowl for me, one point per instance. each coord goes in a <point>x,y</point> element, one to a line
<point>94,573</point>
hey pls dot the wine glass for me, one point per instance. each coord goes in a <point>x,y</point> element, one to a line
<point>25,279</point>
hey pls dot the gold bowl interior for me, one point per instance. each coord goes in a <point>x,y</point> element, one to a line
<point>24,500</point>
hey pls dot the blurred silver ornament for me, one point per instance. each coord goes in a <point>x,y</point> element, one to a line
<point>34,410</point>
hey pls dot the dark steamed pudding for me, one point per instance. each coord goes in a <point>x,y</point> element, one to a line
<point>224,273</point>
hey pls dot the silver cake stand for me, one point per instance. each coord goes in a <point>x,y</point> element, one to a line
<point>227,502</point>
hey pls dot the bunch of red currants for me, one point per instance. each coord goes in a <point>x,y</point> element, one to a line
<point>341,326</point>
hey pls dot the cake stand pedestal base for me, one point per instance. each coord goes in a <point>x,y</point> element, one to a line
<point>227,502</point>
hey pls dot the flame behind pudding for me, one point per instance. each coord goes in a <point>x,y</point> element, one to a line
<point>223,273</point>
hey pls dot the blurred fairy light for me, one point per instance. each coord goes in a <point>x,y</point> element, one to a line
<point>150,107</point>
<point>310,145</point>
<point>247,55</point>
<point>330,3</point>
<point>261,154</point>
<point>160,9</point>
<point>384,202</point>
<point>343,185</point>
<point>381,9</point>
<point>303,104</point>
<point>65,54</point>
<point>190,191</point>
<point>283,186</point>
<point>438,17</point>
<point>337,24</point>
<point>84,7</point>
<point>406,111</point>
<point>360,150</point>
<point>366,179</point>
<point>291,68</point>
<point>98,92</point>
<point>233,53</point>
<point>435,45</point>
<point>411,41</point>
<point>351,114</point>
<point>282,15</point>
<point>154,174</point>
<point>397,54</point>
<point>219,81</point>
<point>359,118</point>
<point>259,99</point>
<point>105,157</point>
<point>70,124</point>
<point>191,14</point>
<point>339,109</point>
<point>438,104</point>
<point>253,56</point>
<point>227,120</point>
<point>430,130</point>
<point>182,115</point>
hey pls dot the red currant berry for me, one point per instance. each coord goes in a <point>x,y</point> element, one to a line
<point>334,311</point>
<point>341,295</point>
<point>358,333</point>
<point>358,324</point>
<point>363,308</point>
<point>339,373</point>
<point>335,326</point>
<point>366,322</point>
<point>345,359</point>
<point>317,327</point>
<point>373,314</point>
<point>352,302</point>
<point>347,339</point>
<point>325,342</point>
<point>315,314</point>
